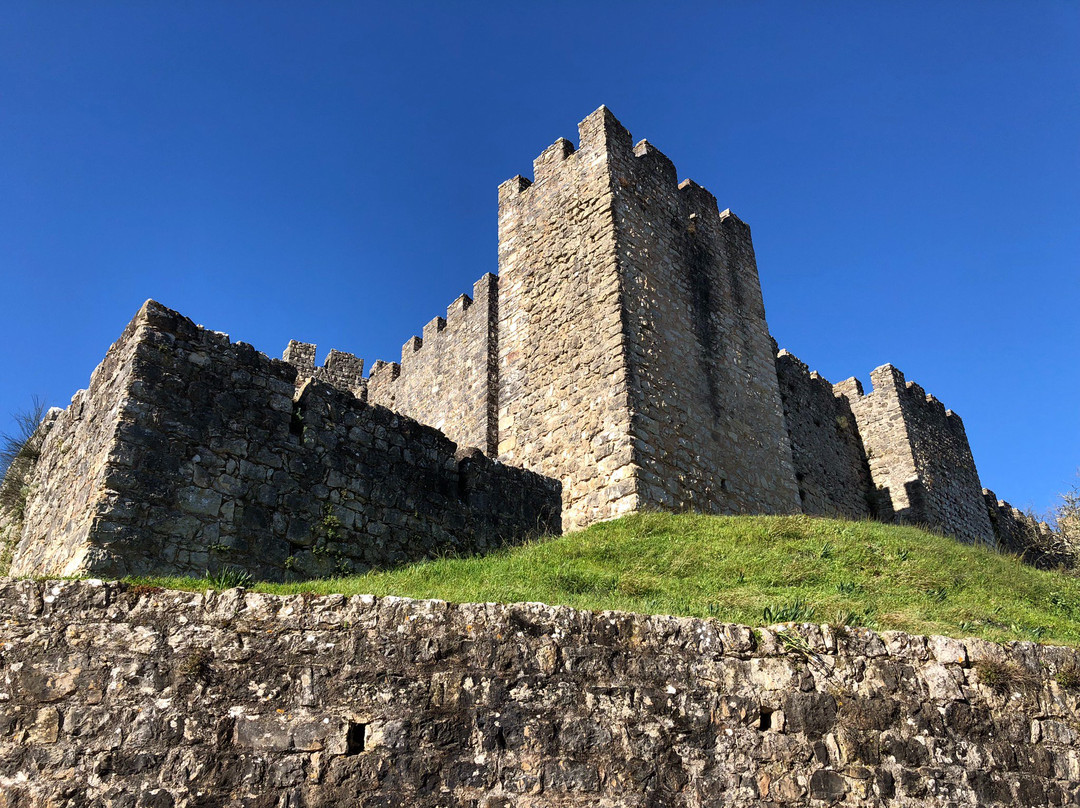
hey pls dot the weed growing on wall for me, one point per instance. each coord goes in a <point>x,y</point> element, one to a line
<point>19,452</point>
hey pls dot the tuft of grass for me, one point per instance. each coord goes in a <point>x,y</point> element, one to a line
<point>734,567</point>
<point>227,578</point>
<point>1004,675</point>
<point>797,611</point>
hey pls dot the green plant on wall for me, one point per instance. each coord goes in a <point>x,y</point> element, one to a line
<point>19,452</point>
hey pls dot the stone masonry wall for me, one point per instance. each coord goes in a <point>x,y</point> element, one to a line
<point>17,485</point>
<point>448,379</point>
<point>213,463</point>
<point>635,362</point>
<point>707,421</point>
<point>919,456</point>
<point>69,488</point>
<point>1023,534</point>
<point>122,696</point>
<point>830,462</point>
<point>564,406</point>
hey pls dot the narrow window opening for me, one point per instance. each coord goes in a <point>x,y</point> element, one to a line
<point>296,423</point>
<point>765,722</point>
<point>354,738</point>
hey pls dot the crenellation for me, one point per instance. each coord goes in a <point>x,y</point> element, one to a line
<point>1024,534</point>
<point>699,201</point>
<point>551,159</point>
<point>656,161</point>
<point>457,309</point>
<point>340,369</point>
<point>301,355</point>
<point>448,377</point>
<point>848,387</point>
<point>514,186</point>
<point>411,346</point>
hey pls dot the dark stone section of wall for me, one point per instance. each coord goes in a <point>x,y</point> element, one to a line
<point>215,464</point>
<point>707,418</point>
<point>448,378</point>
<point>120,696</point>
<point>830,462</point>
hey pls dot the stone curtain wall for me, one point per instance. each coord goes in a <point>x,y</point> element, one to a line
<point>919,455</point>
<point>564,405</point>
<point>113,695</point>
<point>448,379</point>
<point>830,462</point>
<point>947,470</point>
<point>1023,534</point>
<point>707,421</point>
<point>213,464</point>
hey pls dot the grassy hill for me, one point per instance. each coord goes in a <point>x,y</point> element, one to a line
<point>755,570</point>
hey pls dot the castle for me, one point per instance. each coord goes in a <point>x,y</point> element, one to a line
<point>619,361</point>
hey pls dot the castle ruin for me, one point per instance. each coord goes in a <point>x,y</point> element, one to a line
<point>619,361</point>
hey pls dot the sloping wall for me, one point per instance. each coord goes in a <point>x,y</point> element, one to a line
<point>130,697</point>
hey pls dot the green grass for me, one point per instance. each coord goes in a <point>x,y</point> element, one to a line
<point>754,570</point>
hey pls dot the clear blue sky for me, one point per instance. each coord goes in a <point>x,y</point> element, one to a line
<point>327,172</point>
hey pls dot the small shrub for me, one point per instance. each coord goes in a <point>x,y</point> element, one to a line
<point>1068,675</point>
<point>845,617</point>
<point>228,578</point>
<point>19,452</point>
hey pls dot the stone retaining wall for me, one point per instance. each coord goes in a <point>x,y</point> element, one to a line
<point>120,696</point>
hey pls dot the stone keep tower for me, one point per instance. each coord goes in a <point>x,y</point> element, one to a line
<point>634,360</point>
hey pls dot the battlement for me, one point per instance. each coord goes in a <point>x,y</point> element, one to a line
<point>342,370</point>
<point>604,141</point>
<point>919,455</point>
<point>830,463</point>
<point>445,377</point>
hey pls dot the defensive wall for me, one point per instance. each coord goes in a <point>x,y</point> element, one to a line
<point>448,377</point>
<point>831,467</point>
<point>129,696</point>
<point>622,351</point>
<point>189,453</point>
